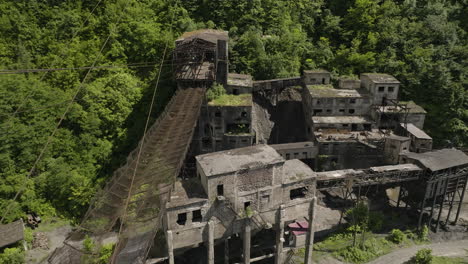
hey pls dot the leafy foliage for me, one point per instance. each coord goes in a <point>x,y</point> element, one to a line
<point>423,256</point>
<point>215,91</point>
<point>397,236</point>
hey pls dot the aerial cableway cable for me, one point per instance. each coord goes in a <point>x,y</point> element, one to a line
<point>51,136</point>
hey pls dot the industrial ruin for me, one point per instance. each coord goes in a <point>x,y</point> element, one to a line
<point>216,174</point>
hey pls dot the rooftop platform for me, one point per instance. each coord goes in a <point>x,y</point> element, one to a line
<point>413,107</point>
<point>186,192</point>
<point>296,170</point>
<point>232,100</point>
<point>341,120</point>
<point>228,161</point>
<point>439,159</point>
<point>327,91</point>
<point>243,80</point>
<point>381,78</point>
<point>415,131</point>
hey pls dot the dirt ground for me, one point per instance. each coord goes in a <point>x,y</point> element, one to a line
<point>55,238</point>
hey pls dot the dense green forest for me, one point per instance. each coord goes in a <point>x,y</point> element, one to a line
<point>423,43</point>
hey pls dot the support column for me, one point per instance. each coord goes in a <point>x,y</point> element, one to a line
<point>226,251</point>
<point>461,201</point>
<point>310,233</point>
<point>247,241</point>
<point>280,236</point>
<point>170,248</point>
<point>210,242</point>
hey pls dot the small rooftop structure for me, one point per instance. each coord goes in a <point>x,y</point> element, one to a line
<point>380,78</point>
<point>211,35</point>
<point>327,91</point>
<point>295,170</point>
<point>439,159</point>
<point>238,159</point>
<point>243,80</point>
<point>415,131</point>
<point>11,233</point>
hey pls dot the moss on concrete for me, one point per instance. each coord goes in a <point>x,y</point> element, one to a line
<point>232,100</point>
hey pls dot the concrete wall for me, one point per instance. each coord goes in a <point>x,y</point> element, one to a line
<point>393,148</point>
<point>316,77</point>
<point>276,83</point>
<point>344,83</point>
<point>379,90</point>
<point>336,155</point>
<point>416,118</point>
<point>214,130</point>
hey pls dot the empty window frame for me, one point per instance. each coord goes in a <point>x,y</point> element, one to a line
<point>317,111</point>
<point>197,216</point>
<point>181,218</point>
<point>288,156</point>
<point>381,89</point>
<point>246,205</point>
<point>391,89</point>
<point>220,190</point>
<point>218,114</point>
<point>235,91</point>
<point>341,110</point>
<point>244,114</point>
<point>329,110</point>
<point>352,101</point>
<point>297,193</point>
<point>351,111</point>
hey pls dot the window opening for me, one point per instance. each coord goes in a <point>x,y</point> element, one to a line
<point>220,190</point>
<point>297,193</point>
<point>196,216</point>
<point>182,218</point>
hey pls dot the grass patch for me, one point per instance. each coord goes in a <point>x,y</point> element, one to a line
<point>232,100</point>
<point>49,224</point>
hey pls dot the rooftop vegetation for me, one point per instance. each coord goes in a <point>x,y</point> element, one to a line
<point>232,100</point>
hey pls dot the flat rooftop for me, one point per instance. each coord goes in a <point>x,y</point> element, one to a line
<point>341,120</point>
<point>380,77</point>
<point>399,167</point>
<point>11,233</point>
<point>232,100</point>
<point>297,145</point>
<point>439,159</point>
<point>228,161</point>
<point>411,106</point>
<point>243,80</point>
<point>327,91</point>
<point>316,71</point>
<point>296,170</point>
<point>415,131</point>
<point>337,174</point>
<point>334,135</point>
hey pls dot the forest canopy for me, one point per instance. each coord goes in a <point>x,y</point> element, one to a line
<point>422,43</point>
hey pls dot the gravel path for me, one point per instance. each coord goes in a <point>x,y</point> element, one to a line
<point>447,249</point>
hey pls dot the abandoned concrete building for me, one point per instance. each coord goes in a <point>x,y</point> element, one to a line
<point>356,134</point>
<point>257,160</point>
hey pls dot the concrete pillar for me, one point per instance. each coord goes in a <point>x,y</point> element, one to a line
<point>210,242</point>
<point>226,251</point>
<point>279,236</point>
<point>170,248</point>
<point>310,234</point>
<point>247,241</point>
